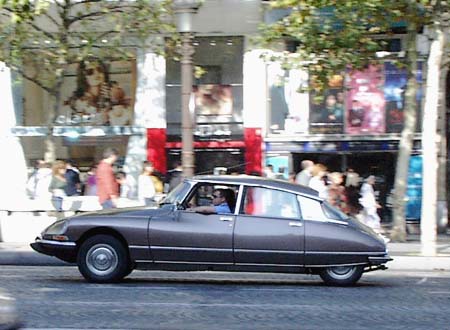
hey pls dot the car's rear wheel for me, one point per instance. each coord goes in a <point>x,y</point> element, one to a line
<point>103,259</point>
<point>341,275</point>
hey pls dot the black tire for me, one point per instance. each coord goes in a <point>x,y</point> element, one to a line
<point>342,275</point>
<point>103,259</point>
<point>129,270</point>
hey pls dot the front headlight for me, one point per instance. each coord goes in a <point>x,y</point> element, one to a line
<point>55,231</point>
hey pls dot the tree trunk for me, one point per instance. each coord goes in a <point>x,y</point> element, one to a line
<point>398,232</point>
<point>442,206</point>
<point>50,149</point>
<point>442,203</point>
<point>428,219</point>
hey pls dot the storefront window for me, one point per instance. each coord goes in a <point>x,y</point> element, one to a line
<point>217,93</point>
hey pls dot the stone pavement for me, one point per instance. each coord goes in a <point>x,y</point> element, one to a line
<point>407,256</point>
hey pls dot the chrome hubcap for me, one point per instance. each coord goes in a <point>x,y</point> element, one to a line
<point>102,259</point>
<point>341,272</point>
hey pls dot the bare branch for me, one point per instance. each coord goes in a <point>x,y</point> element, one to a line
<point>31,78</point>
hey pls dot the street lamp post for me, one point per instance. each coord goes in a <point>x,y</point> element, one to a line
<point>184,11</point>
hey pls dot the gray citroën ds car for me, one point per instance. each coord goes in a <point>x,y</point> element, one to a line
<point>275,226</point>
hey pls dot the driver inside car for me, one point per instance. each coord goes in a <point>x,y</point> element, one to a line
<point>222,202</point>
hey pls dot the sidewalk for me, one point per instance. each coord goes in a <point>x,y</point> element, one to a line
<point>407,256</point>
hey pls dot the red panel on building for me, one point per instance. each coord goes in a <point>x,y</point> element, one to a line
<point>156,144</point>
<point>253,150</point>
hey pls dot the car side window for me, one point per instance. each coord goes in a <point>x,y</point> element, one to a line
<point>311,209</point>
<point>202,195</point>
<point>266,202</point>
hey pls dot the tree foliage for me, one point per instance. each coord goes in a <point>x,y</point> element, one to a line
<point>335,35</point>
<point>41,38</point>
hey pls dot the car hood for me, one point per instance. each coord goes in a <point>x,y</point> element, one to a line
<point>139,211</point>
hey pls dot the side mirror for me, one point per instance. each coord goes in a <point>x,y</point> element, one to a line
<point>180,206</point>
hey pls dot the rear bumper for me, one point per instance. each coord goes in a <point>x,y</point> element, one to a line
<point>379,260</point>
<point>377,263</point>
<point>66,251</point>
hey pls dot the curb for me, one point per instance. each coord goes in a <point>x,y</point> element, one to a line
<point>422,263</point>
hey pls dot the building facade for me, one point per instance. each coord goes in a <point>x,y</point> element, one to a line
<point>247,112</point>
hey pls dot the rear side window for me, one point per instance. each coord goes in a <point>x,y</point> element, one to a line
<point>272,203</point>
<point>313,209</point>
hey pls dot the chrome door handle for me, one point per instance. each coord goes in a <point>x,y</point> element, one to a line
<point>295,224</point>
<point>226,218</point>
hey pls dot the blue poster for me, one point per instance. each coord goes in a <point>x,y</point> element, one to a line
<point>414,188</point>
<point>394,94</point>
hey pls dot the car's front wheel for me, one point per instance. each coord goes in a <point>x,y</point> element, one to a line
<point>341,275</point>
<point>103,259</point>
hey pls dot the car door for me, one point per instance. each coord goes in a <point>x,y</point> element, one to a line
<point>328,239</point>
<point>190,237</point>
<point>269,230</point>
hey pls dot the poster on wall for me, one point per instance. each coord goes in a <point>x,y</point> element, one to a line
<point>296,121</point>
<point>213,110</point>
<point>97,93</point>
<point>213,100</point>
<point>414,188</point>
<point>396,79</point>
<point>327,116</point>
<point>365,102</point>
<point>289,106</point>
<point>394,94</point>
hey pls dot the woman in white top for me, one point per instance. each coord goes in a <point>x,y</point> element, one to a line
<point>369,203</point>
<point>146,188</point>
<point>316,182</point>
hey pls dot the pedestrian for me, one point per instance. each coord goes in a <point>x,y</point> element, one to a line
<point>39,182</point>
<point>173,177</point>
<point>107,187</point>
<point>58,184</point>
<point>370,204</point>
<point>354,206</point>
<point>304,175</point>
<point>158,179</point>
<point>292,176</point>
<point>127,188</point>
<point>317,182</point>
<point>269,173</point>
<point>90,186</point>
<point>351,178</point>
<point>146,188</point>
<point>336,192</point>
<point>73,186</point>
<point>280,173</point>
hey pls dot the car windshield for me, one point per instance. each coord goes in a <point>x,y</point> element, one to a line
<point>177,195</point>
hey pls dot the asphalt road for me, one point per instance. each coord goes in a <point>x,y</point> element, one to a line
<point>58,298</point>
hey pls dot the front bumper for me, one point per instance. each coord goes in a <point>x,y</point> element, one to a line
<point>66,251</point>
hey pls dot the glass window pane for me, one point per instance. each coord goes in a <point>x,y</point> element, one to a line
<point>311,209</point>
<point>270,203</point>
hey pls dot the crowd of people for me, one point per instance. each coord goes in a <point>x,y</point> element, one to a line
<point>346,191</point>
<point>342,190</point>
<point>61,179</point>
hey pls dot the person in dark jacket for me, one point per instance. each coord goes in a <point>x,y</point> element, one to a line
<point>73,182</point>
